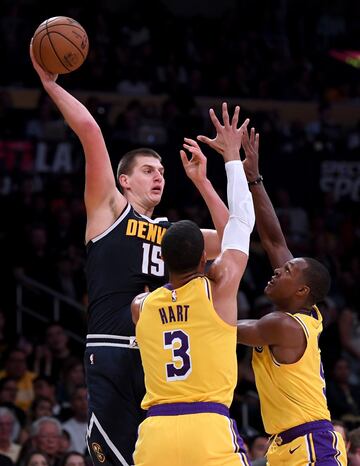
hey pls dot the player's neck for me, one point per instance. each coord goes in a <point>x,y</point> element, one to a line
<point>141,208</point>
<point>179,280</point>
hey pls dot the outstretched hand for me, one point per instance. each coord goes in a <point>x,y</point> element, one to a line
<point>251,149</point>
<point>228,139</point>
<point>195,168</point>
<point>44,75</point>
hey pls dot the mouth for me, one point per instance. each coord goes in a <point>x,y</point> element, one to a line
<point>156,190</point>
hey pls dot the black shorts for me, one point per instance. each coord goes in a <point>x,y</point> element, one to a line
<point>115,381</point>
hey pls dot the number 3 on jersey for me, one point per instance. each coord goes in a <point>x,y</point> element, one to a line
<point>152,264</point>
<point>179,343</point>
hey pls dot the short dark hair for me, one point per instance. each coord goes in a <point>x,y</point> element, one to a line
<point>128,160</point>
<point>182,246</point>
<point>317,277</point>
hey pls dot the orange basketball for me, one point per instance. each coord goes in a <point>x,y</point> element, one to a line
<point>60,45</point>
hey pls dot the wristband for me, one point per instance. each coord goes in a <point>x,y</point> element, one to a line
<point>258,180</point>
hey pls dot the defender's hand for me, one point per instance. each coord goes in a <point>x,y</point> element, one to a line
<point>227,141</point>
<point>251,149</point>
<point>195,168</point>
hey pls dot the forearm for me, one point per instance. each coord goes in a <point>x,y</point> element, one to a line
<point>248,333</point>
<point>217,208</point>
<point>74,112</point>
<point>268,227</point>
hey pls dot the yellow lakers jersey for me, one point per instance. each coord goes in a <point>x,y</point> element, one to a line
<point>292,394</point>
<point>188,352</point>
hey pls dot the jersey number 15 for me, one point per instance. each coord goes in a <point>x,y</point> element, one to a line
<point>152,264</point>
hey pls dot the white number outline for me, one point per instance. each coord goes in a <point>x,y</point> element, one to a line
<point>175,358</point>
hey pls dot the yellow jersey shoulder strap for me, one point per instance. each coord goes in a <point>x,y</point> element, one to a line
<point>301,322</point>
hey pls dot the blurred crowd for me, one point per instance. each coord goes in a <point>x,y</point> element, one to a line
<point>264,51</point>
<point>277,50</point>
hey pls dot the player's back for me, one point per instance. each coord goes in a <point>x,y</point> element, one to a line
<point>188,352</point>
<point>292,394</point>
<point>120,263</point>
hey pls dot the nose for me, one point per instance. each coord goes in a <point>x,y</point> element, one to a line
<point>159,175</point>
<point>277,272</point>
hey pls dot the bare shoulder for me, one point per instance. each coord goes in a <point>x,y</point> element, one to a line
<point>285,330</point>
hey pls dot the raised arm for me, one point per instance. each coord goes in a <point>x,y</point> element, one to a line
<point>195,169</point>
<point>229,267</point>
<point>267,223</point>
<point>103,200</point>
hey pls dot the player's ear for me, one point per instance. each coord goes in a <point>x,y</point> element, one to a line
<point>123,180</point>
<point>303,291</point>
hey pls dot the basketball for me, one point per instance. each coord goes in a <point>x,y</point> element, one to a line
<point>60,45</point>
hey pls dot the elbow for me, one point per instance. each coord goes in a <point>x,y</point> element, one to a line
<point>88,130</point>
<point>89,126</point>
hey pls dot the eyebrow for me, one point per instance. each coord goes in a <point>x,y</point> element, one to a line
<point>146,165</point>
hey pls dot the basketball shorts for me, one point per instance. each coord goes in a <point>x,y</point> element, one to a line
<point>189,434</point>
<point>115,382</point>
<point>313,443</point>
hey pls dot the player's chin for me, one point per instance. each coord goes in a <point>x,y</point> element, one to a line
<point>156,197</point>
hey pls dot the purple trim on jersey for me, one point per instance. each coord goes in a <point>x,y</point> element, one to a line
<point>169,286</point>
<point>308,444</point>
<point>207,288</point>
<point>176,409</point>
<point>326,448</point>
<point>239,440</point>
<point>309,427</point>
<point>314,314</point>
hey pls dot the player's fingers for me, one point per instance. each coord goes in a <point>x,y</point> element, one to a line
<point>244,126</point>
<point>215,120</point>
<point>205,140</point>
<point>225,115</point>
<point>252,137</point>
<point>257,142</point>
<point>245,141</point>
<point>191,142</point>
<point>235,117</point>
<point>184,158</point>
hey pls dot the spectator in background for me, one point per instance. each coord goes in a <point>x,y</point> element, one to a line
<point>349,329</point>
<point>343,397</point>
<point>72,376</point>
<point>76,426</point>
<point>354,447</point>
<point>45,436</point>
<point>65,442</point>
<point>73,458</point>
<point>257,450</point>
<point>340,427</point>
<point>45,387</point>
<point>16,368</point>
<point>55,353</point>
<point>7,446</point>
<point>41,407</point>
<point>36,459</point>
<point>8,392</point>
<point>329,341</point>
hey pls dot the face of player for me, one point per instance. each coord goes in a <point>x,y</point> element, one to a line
<point>286,281</point>
<point>146,182</point>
